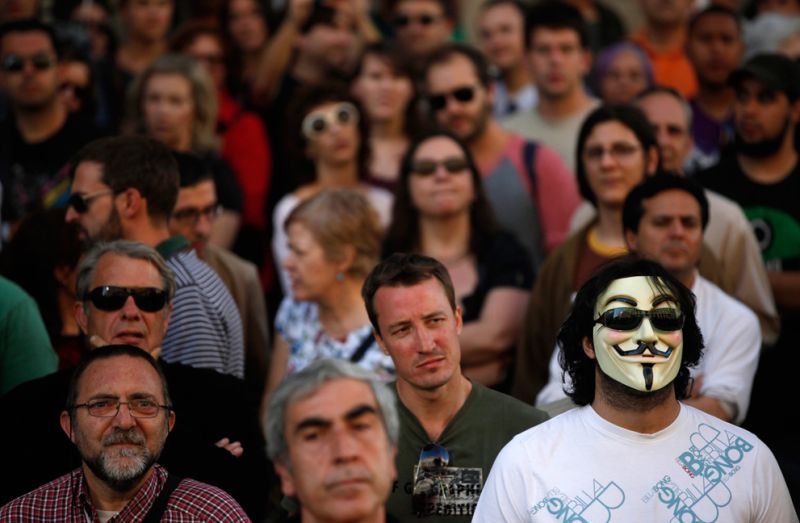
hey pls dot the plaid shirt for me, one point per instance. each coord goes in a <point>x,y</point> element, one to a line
<point>67,499</point>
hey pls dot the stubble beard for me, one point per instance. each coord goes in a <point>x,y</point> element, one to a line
<point>623,397</point>
<point>121,477</point>
<point>762,148</point>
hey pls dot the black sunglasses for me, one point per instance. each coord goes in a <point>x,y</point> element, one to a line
<point>452,165</point>
<point>629,318</point>
<point>437,102</point>
<point>80,202</point>
<point>14,63</point>
<point>111,298</point>
<point>405,20</point>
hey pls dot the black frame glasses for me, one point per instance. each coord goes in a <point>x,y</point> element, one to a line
<point>318,122</point>
<point>406,20</point>
<point>665,319</point>
<point>426,167</point>
<point>12,63</point>
<point>437,102</point>
<point>81,202</point>
<point>111,298</point>
<point>190,216</point>
<point>109,407</point>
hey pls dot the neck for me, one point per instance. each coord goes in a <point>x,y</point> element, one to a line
<point>645,414</point>
<point>715,100</point>
<point>446,239</point>
<point>558,107</point>
<point>774,168</point>
<point>146,232</point>
<point>687,278</point>
<point>435,408</point>
<point>516,78</point>
<point>104,497</point>
<point>36,126</point>
<point>489,144</point>
<point>337,175</point>
<point>139,53</point>
<point>343,311</point>
<point>609,226</point>
<point>666,37</point>
<point>389,129</point>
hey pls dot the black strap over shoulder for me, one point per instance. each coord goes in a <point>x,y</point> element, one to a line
<point>529,156</point>
<point>362,349</point>
<point>160,504</point>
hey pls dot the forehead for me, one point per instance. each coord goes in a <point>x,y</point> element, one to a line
<point>715,23</point>
<point>324,107</point>
<point>458,69</point>
<point>555,36</point>
<point>641,288</point>
<point>627,58</point>
<point>664,108</point>
<point>201,194</point>
<point>119,375</point>
<point>172,82</point>
<point>26,42</point>
<point>611,131</point>
<point>419,7</point>
<point>753,86</point>
<point>436,147</point>
<point>673,202</point>
<point>122,271</point>
<point>395,304</point>
<point>330,401</point>
<point>88,177</point>
<point>500,14</point>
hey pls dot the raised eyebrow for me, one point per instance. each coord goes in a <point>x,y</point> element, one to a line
<point>623,299</point>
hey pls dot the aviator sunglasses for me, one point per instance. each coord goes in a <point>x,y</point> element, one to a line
<point>437,102</point>
<point>110,298</point>
<point>452,165</point>
<point>317,122</point>
<point>629,318</point>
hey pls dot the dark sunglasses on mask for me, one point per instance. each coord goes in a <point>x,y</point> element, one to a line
<point>452,165</point>
<point>437,102</point>
<point>111,298</point>
<point>40,61</point>
<point>629,318</point>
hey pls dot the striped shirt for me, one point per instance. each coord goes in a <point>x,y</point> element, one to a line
<point>205,329</point>
<point>67,499</point>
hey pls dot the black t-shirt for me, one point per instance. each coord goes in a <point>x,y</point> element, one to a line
<point>34,175</point>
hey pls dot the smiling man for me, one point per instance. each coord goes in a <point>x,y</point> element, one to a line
<point>118,415</point>
<point>332,431</point>
<point>632,451</point>
<point>451,429</point>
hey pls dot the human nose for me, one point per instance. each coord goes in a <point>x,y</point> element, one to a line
<point>344,445</point>
<point>72,215</point>
<point>425,341</point>
<point>203,226</point>
<point>130,309</point>
<point>646,331</point>
<point>123,417</point>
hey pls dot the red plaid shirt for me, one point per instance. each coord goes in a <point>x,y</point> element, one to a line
<point>67,499</point>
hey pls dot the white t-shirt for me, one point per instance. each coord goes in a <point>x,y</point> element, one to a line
<point>578,467</point>
<point>732,340</point>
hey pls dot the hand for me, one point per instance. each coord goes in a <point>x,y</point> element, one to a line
<point>298,11</point>
<point>234,447</point>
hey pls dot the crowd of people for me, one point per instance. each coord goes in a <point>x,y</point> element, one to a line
<point>368,261</point>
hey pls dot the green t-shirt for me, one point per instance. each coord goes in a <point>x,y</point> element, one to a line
<point>25,349</point>
<point>487,421</point>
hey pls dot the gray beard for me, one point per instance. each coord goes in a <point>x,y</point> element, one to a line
<point>121,478</point>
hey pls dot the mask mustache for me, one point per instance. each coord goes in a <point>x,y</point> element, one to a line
<point>644,345</point>
<point>132,436</point>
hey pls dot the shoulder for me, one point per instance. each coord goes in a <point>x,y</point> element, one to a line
<point>51,500</point>
<point>509,411</point>
<point>725,305</point>
<point>230,260</point>
<point>206,502</point>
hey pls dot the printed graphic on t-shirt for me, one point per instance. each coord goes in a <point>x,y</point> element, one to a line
<point>454,491</point>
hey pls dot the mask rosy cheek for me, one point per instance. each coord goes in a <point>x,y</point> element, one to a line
<point>616,337</point>
<point>672,338</point>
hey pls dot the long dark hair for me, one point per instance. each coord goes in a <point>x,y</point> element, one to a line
<point>403,232</point>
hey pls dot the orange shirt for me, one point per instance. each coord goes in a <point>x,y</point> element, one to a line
<point>671,68</point>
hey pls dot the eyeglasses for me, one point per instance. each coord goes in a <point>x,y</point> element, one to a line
<point>108,408</point>
<point>317,122</point>
<point>437,102</point>
<point>190,217</point>
<point>13,63</point>
<point>110,298</point>
<point>618,151</point>
<point>80,202</point>
<point>454,164</point>
<point>424,20</point>
<point>629,318</point>
<point>430,485</point>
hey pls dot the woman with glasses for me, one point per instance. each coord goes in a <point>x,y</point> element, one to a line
<point>334,241</point>
<point>441,211</point>
<point>385,87</point>
<point>173,101</point>
<point>616,149</point>
<point>331,151</point>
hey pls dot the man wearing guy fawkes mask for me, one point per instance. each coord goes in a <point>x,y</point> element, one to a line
<point>632,451</point>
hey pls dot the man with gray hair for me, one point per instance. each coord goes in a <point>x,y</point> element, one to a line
<point>332,432</point>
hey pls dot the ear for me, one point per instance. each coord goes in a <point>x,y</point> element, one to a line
<point>347,257</point>
<point>287,482</point>
<point>80,316</point>
<point>131,204</point>
<point>380,341</point>
<point>630,240</point>
<point>66,425</point>
<point>587,61</point>
<point>459,321</point>
<point>588,349</point>
<point>171,421</point>
<point>794,111</point>
<point>651,160</point>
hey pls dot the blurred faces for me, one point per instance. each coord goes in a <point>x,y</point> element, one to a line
<point>383,93</point>
<point>665,12</point>
<point>501,35</point>
<point>419,330</point>
<point>615,162</point>
<point>670,122</point>
<point>75,84</point>
<point>466,118</point>
<point>421,26</point>
<point>101,221</point>
<point>311,272</point>
<point>168,110</point>
<point>330,46</point>
<point>337,143</point>
<point>247,25</point>
<point>194,213</point>
<point>670,232</point>
<point>441,193</point>
<point>643,358</point>
<point>715,48</point>
<point>129,325</point>
<point>121,450</point>
<point>784,7</point>
<point>147,20</point>
<point>558,62</point>
<point>28,73</point>
<point>624,79</point>
<point>340,464</point>
<point>207,49</point>
<point>762,118</point>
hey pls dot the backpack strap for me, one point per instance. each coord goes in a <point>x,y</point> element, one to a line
<point>160,504</point>
<point>529,157</point>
